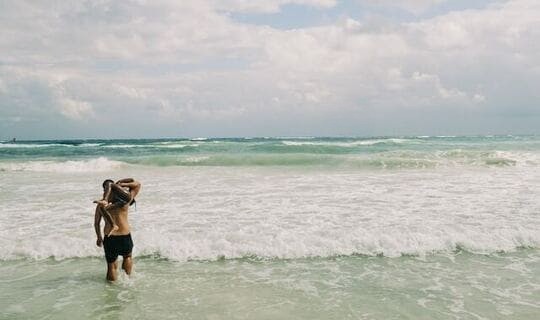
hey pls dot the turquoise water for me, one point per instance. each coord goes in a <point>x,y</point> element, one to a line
<point>415,152</point>
<point>277,228</point>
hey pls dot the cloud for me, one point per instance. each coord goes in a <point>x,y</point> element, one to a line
<point>187,68</point>
<point>413,6</point>
<point>268,6</point>
<point>75,109</point>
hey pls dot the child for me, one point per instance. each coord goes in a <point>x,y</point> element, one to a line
<point>114,197</point>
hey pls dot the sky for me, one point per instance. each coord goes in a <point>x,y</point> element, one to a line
<point>225,68</point>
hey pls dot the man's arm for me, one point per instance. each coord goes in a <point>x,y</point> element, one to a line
<point>134,186</point>
<point>125,180</point>
<point>97,226</point>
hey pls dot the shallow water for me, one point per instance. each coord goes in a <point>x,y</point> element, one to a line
<point>451,286</point>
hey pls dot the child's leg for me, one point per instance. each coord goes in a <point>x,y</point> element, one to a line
<point>108,218</point>
<point>106,215</point>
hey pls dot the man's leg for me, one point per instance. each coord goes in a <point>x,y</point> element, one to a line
<point>111,270</point>
<point>127,264</point>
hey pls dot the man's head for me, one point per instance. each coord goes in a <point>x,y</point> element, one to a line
<point>106,183</point>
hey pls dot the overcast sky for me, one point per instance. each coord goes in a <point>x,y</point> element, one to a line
<point>207,68</point>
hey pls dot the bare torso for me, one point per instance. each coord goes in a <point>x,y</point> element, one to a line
<point>120,217</point>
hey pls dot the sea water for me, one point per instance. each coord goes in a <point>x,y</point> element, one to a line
<point>277,228</point>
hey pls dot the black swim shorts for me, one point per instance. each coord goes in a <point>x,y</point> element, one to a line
<point>117,245</point>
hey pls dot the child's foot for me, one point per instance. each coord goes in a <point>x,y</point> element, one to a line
<point>113,229</point>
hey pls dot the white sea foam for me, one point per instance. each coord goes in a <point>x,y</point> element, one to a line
<point>155,145</point>
<point>346,144</point>
<point>125,146</point>
<point>178,146</point>
<point>288,137</point>
<point>90,145</point>
<point>195,159</point>
<point>207,213</point>
<point>101,164</point>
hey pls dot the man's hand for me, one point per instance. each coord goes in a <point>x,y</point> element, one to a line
<point>125,180</point>
<point>99,242</point>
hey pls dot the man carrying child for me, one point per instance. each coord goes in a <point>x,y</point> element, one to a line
<point>113,208</point>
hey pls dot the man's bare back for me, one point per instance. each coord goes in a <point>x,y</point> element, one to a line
<point>120,218</point>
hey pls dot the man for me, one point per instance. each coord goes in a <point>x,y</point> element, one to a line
<point>117,241</point>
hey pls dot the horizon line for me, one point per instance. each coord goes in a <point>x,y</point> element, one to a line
<point>199,138</point>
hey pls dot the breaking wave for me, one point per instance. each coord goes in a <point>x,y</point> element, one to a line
<point>384,160</point>
<point>101,164</point>
<point>282,244</point>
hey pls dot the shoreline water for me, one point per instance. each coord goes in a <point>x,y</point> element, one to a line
<point>451,286</point>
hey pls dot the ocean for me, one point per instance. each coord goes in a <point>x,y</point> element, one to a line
<point>425,227</point>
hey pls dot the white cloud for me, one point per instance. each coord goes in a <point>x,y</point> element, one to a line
<point>413,6</point>
<point>267,6</point>
<point>479,98</point>
<point>166,63</point>
<point>75,109</point>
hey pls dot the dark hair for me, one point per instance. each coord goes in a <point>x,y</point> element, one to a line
<point>106,182</point>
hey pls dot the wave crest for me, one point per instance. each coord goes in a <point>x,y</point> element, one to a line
<point>100,164</point>
<point>391,160</point>
<point>383,160</point>
<point>285,246</point>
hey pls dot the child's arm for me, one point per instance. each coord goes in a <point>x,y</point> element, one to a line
<point>107,191</point>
